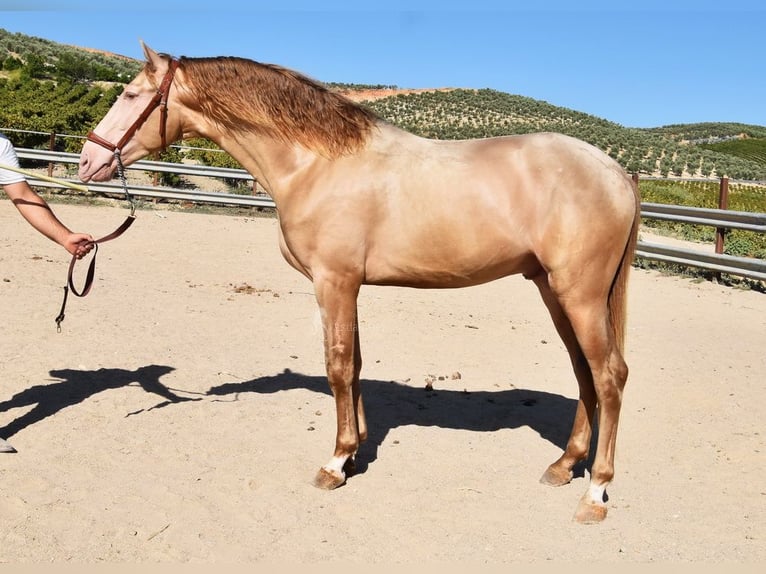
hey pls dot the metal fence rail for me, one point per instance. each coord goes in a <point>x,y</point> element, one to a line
<point>141,165</point>
<point>706,216</point>
<point>720,218</point>
<point>718,262</point>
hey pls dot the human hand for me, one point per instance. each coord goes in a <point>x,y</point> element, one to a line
<point>79,244</point>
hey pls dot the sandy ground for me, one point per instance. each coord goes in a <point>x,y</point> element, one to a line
<point>182,412</point>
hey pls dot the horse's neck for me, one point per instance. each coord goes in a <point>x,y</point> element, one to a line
<point>273,163</point>
<point>282,167</point>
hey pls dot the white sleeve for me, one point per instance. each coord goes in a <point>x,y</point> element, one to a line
<point>8,157</point>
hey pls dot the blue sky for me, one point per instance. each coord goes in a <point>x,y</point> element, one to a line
<point>644,64</point>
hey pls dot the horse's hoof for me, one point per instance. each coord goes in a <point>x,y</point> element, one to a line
<point>328,480</point>
<point>556,476</point>
<point>589,512</point>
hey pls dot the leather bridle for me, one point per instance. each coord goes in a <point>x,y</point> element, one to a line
<point>160,99</point>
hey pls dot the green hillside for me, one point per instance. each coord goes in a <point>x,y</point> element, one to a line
<point>710,131</point>
<point>49,87</point>
<point>752,149</point>
<point>43,59</point>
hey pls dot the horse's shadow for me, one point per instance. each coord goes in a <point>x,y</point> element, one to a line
<point>389,404</point>
<point>75,386</point>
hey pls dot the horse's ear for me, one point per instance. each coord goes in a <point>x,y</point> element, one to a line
<point>152,57</point>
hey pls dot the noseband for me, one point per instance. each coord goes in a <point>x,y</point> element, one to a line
<point>160,100</point>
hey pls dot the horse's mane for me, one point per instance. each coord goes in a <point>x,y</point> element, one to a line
<point>240,94</point>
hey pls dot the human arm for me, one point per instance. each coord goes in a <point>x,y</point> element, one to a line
<point>38,213</point>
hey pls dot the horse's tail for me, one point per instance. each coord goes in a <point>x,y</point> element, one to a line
<point>618,295</point>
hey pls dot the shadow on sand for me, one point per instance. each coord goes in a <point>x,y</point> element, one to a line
<point>75,386</point>
<point>389,404</point>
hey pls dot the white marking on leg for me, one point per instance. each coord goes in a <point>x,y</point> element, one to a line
<point>596,492</point>
<point>335,465</point>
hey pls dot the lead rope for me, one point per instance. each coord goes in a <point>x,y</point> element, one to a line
<point>121,174</point>
<point>92,267</point>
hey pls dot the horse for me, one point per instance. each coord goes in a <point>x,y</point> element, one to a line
<point>362,202</point>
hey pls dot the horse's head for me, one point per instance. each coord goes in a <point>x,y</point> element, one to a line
<point>140,121</point>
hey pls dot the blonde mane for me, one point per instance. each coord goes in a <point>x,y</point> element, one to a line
<point>241,94</point>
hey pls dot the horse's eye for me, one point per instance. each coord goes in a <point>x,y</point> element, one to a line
<point>130,95</point>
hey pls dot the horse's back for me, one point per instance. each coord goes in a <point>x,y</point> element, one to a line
<point>506,175</point>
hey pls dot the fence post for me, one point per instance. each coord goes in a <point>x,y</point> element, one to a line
<point>723,203</point>
<point>155,175</point>
<point>51,147</point>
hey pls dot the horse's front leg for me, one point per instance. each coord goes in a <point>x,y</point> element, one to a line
<point>337,305</point>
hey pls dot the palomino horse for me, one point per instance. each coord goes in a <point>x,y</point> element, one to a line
<point>363,202</point>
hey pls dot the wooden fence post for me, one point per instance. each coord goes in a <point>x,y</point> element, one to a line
<point>723,203</point>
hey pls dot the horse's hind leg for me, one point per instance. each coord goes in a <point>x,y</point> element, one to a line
<point>593,350</point>
<point>597,340</point>
<point>560,472</point>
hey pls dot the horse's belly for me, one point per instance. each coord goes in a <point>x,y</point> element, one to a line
<point>445,269</point>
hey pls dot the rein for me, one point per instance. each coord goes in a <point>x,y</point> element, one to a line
<point>92,267</point>
<point>160,100</point>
